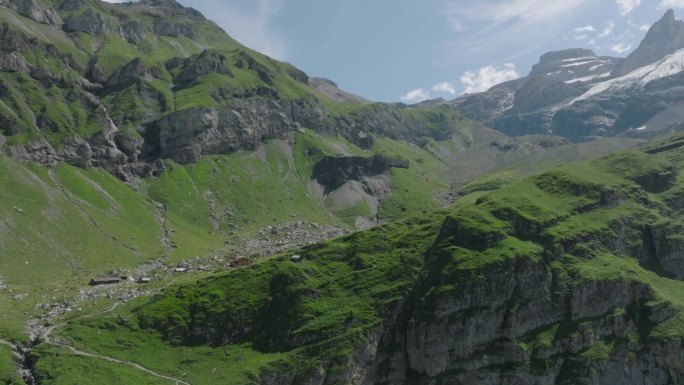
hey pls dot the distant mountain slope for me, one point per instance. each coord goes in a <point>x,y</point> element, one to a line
<point>577,95</point>
<point>121,86</point>
<point>571,276</point>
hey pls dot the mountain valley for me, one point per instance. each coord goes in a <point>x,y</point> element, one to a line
<point>290,232</point>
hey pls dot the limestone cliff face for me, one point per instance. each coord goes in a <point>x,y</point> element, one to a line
<point>483,333</point>
<point>188,135</point>
<point>241,123</point>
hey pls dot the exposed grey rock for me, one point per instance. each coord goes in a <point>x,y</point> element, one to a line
<point>39,151</point>
<point>174,7</point>
<point>134,32</point>
<point>209,61</point>
<point>35,10</point>
<point>663,38</point>
<point>91,22</point>
<point>76,151</point>
<point>246,61</point>
<point>173,29</point>
<point>73,5</point>
<point>15,41</point>
<point>40,73</point>
<point>333,172</point>
<point>187,135</point>
<point>129,144</point>
<point>132,72</point>
<point>13,62</point>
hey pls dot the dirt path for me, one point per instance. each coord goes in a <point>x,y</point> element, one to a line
<point>45,335</point>
<point>116,361</point>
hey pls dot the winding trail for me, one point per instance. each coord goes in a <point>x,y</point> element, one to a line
<point>45,335</point>
<point>114,360</point>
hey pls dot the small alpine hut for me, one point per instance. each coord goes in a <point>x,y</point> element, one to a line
<point>105,281</point>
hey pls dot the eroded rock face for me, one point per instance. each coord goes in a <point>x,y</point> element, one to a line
<point>14,40</point>
<point>134,32</point>
<point>34,10</point>
<point>90,22</point>
<point>13,62</point>
<point>187,135</point>
<point>194,67</point>
<point>665,37</point>
<point>39,151</point>
<point>333,172</point>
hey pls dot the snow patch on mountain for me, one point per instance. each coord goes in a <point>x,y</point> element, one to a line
<point>666,67</point>
<point>588,78</point>
<point>580,58</point>
<point>581,63</point>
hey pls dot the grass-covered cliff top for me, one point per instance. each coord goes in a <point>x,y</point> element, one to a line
<point>614,222</point>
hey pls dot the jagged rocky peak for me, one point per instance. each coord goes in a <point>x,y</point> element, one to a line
<point>173,6</point>
<point>573,64</point>
<point>664,38</point>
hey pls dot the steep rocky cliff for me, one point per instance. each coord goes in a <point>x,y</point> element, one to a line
<point>572,276</point>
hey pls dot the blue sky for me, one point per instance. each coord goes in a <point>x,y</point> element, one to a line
<point>408,50</point>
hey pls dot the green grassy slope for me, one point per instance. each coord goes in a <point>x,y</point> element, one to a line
<point>60,227</point>
<point>566,220</point>
<point>53,237</point>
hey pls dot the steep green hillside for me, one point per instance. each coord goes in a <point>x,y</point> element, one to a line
<point>569,276</point>
<point>123,85</point>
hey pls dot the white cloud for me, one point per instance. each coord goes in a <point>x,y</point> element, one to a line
<point>501,11</point>
<point>581,37</point>
<point>620,48</point>
<point>671,4</point>
<point>627,6</point>
<point>416,96</point>
<point>608,30</point>
<point>586,28</point>
<point>487,77</point>
<point>640,27</point>
<point>444,88</point>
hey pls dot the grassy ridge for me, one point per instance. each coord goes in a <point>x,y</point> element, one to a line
<point>326,307</point>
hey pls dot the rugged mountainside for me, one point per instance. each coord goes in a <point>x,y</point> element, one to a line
<point>573,276</point>
<point>122,86</point>
<point>138,137</point>
<point>577,95</point>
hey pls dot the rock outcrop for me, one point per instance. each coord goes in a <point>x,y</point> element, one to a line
<point>186,136</point>
<point>91,22</point>
<point>35,10</point>
<point>333,172</point>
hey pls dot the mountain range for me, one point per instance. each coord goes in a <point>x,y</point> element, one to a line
<point>526,234</point>
<point>580,96</point>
